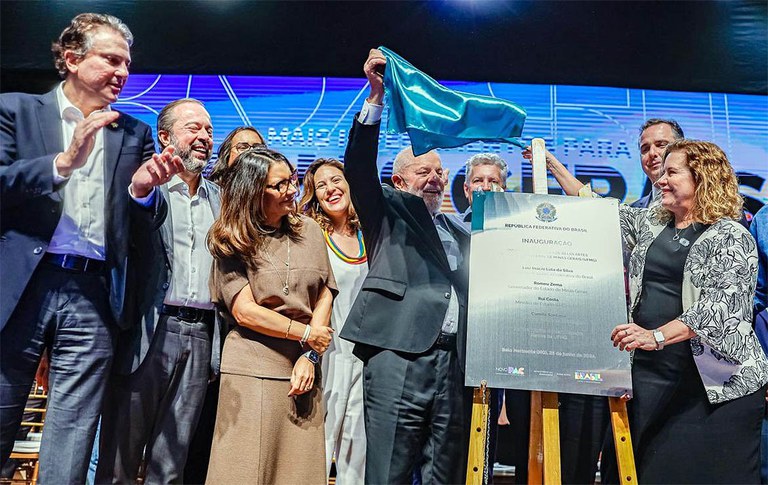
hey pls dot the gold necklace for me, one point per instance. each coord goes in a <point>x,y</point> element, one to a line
<point>287,267</point>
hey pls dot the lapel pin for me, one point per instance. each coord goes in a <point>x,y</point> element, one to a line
<point>113,125</point>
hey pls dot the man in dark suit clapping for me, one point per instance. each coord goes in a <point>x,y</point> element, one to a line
<point>74,193</point>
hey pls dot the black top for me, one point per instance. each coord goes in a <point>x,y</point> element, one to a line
<point>661,298</point>
<point>677,435</point>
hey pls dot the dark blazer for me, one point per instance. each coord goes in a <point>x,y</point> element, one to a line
<point>30,138</point>
<point>154,266</point>
<point>643,202</point>
<point>403,300</point>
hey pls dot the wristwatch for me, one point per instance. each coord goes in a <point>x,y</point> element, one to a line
<point>659,337</point>
<point>312,356</point>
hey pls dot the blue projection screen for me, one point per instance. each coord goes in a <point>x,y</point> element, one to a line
<point>593,130</point>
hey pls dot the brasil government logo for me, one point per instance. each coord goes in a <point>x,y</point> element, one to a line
<point>546,212</point>
<point>587,376</point>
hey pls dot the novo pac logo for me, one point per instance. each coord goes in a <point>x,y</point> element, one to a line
<point>513,371</point>
<point>587,376</point>
<point>546,212</point>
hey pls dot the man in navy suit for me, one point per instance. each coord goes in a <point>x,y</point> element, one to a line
<point>162,367</point>
<point>408,322</point>
<point>75,198</point>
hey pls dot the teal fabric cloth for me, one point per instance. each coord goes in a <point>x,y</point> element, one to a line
<point>437,117</point>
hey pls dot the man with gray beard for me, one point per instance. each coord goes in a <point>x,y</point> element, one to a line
<point>162,367</point>
<point>408,322</point>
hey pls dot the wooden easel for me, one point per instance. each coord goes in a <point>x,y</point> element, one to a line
<point>544,440</point>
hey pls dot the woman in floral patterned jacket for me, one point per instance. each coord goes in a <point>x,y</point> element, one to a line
<point>698,370</point>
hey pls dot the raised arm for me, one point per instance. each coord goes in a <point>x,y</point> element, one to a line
<point>362,150</point>
<point>22,179</point>
<point>570,184</point>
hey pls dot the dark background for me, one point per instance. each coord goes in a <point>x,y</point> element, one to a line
<point>719,46</point>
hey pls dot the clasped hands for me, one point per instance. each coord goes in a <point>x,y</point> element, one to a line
<point>156,171</point>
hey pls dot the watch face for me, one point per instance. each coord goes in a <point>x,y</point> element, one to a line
<point>313,357</point>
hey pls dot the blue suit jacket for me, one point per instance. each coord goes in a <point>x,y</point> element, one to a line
<point>643,202</point>
<point>30,138</point>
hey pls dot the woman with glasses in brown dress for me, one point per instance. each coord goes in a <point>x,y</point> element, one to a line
<point>272,277</point>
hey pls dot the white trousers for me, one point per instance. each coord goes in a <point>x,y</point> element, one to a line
<point>344,424</point>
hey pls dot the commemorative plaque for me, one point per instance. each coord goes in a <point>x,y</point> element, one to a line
<point>546,289</point>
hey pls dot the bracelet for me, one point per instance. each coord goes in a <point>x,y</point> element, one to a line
<point>288,332</point>
<point>305,336</point>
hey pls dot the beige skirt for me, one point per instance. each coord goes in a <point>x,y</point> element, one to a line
<point>263,436</point>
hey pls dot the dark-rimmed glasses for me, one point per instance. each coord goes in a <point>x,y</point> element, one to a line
<point>244,145</point>
<point>282,186</point>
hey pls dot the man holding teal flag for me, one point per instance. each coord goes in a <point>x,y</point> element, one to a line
<point>437,117</point>
<point>408,320</point>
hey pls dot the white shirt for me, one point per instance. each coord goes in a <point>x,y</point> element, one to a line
<point>349,280</point>
<point>371,114</point>
<point>81,227</point>
<point>192,217</point>
<point>453,254</point>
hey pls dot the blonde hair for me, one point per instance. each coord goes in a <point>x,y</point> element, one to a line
<point>716,193</point>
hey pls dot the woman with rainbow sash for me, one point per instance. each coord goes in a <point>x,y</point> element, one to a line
<point>326,200</point>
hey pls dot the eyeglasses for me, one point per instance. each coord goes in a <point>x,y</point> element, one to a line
<point>243,146</point>
<point>282,186</point>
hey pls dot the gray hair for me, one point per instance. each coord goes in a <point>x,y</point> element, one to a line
<point>167,117</point>
<point>403,159</point>
<point>485,159</point>
<point>78,37</point>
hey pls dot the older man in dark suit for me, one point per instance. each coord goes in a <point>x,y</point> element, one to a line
<point>74,194</point>
<point>408,322</point>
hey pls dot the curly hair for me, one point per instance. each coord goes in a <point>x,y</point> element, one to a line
<point>716,193</point>
<point>241,228</point>
<point>78,37</point>
<point>309,204</point>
